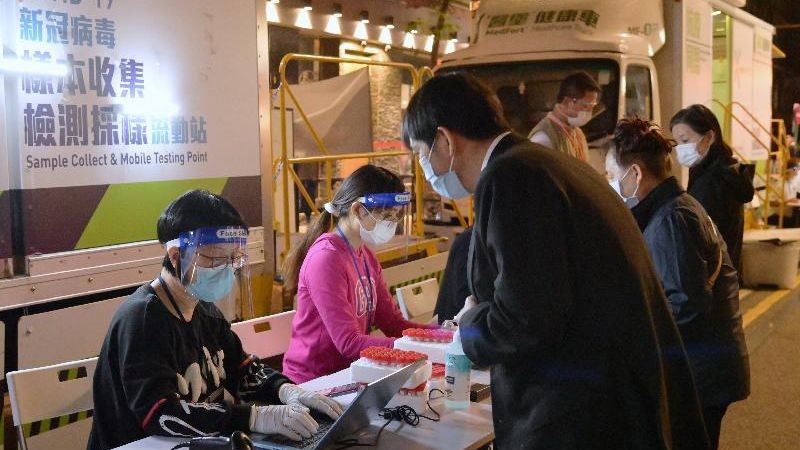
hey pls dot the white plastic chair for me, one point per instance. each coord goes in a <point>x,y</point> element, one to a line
<point>417,301</point>
<point>79,333</point>
<point>266,336</point>
<point>415,271</point>
<point>52,405</point>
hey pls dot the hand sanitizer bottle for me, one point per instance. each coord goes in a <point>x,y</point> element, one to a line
<point>456,375</point>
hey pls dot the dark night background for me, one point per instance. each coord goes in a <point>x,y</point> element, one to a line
<point>785,15</point>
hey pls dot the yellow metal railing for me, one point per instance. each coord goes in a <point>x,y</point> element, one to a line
<point>284,163</point>
<point>461,220</point>
<point>783,165</point>
<point>780,157</point>
<point>425,73</point>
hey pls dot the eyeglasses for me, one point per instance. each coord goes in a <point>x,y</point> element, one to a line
<point>393,215</point>
<point>584,106</point>
<point>236,261</point>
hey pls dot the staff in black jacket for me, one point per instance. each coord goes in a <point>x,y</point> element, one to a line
<point>170,364</point>
<point>570,314</point>
<point>716,178</point>
<point>701,284</point>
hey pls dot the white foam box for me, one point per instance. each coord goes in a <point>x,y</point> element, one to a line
<point>435,350</point>
<point>784,234</point>
<point>366,371</point>
<point>767,263</point>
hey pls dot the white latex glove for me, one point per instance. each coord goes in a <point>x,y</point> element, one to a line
<point>292,421</point>
<point>469,303</point>
<point>292,394</point>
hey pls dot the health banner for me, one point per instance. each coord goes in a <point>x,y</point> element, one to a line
<point>114,107</point>
<point>5,181</point>
<point>628,26</point>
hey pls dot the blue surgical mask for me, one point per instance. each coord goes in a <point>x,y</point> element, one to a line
<point>447,185</point>
<point>211,284</point>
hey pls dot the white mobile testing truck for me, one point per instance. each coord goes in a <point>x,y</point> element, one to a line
<point>650,57</point>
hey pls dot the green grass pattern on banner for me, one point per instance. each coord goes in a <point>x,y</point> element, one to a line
<point>128,212</point>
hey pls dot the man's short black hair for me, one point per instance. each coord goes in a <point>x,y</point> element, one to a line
<point>192,210</point>
<point>456,101</point>
<point>577,85</point>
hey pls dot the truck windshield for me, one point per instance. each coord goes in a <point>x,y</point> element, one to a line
<point>528,90</point>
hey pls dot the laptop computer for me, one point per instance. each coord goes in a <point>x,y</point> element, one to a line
<point>368,403</point>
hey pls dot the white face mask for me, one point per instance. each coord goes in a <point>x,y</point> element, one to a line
<point>582,119</point>
<point>382,233</point>
<point>631,201</point>
<point>448,184</point>
<point>688,155</point>
<point>616,187</point>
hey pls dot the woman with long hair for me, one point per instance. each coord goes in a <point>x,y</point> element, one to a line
<point>338,281</point>
<point>716,178</point>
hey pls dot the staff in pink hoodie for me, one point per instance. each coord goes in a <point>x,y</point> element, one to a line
<point>340,289</point>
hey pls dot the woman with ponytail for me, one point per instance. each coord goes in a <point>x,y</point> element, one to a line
<point>338,281</point>
<point>716,179</point>
<point>692,262</point>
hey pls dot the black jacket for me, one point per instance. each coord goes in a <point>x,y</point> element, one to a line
<point>454,288</point>
<point>571,316</point>
<point>688,254</point>
<point>721,185</point>
<point>158,374</point>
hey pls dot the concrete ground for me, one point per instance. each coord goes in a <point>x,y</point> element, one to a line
<point>770,417</point>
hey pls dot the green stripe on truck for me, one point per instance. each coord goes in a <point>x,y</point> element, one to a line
<point>128,212</point>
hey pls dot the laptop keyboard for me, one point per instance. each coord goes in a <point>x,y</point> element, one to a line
<point>325,423</point>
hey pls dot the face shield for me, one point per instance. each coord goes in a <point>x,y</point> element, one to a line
<point>386,212</point>
<point>213,265</point>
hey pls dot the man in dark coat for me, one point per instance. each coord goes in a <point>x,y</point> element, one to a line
<point>690,257</point>
<point>454,289</point>
<point>569,312</point>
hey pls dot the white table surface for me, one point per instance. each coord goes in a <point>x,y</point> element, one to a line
<point>466,429</point>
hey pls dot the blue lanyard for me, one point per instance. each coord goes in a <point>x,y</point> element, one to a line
<point>367,291</point>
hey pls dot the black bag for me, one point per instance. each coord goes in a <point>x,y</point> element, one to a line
<point>237,441</point>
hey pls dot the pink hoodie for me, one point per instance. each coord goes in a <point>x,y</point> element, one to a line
<point>329,329</point>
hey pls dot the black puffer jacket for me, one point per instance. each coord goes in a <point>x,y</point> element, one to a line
<point>702,289</point>
<point>721,185</point>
